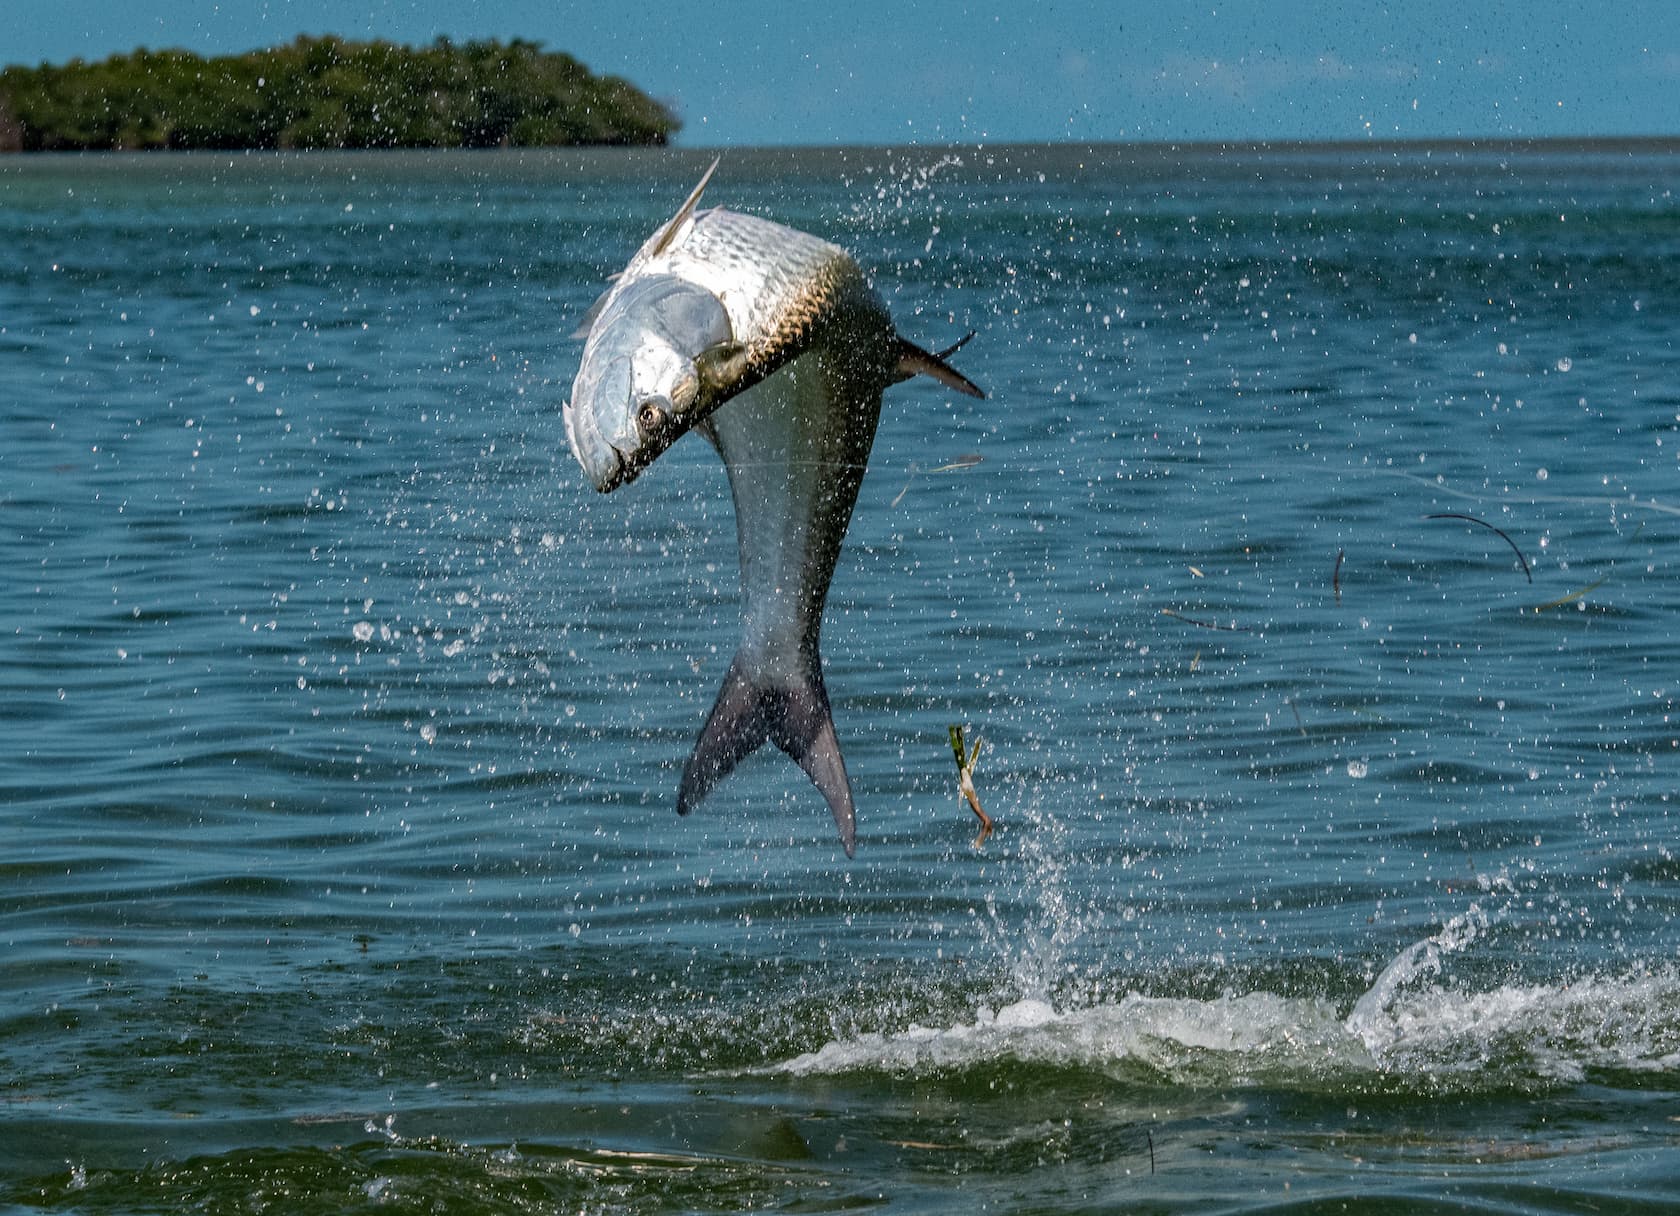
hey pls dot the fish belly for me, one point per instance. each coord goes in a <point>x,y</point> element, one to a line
<point>795,447</point>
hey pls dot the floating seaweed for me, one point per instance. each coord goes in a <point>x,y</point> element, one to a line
<point>954,465</point>
<point>1572,597</point>
<point>1200,624</point>
<point>1474,519</point>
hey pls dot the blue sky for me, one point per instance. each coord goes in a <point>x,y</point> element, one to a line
<point>872,71</point>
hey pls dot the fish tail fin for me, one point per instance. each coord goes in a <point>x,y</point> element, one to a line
<point>796,718</point>
<point>736,728</point>
<point>914,361</point>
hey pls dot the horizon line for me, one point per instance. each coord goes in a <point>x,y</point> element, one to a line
<point>1456,143</point>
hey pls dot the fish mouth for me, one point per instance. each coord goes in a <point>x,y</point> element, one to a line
<point>624,469</point>
<point>616,476</point>
<point>604,463</point>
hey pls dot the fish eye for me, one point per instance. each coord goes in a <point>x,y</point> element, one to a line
<point>650,416</point>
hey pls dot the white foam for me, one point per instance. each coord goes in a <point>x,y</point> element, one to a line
<point>1411,1025</point>
<point>1422,960</point>
<point>1174,1036</point>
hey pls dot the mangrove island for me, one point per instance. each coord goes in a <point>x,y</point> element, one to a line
<point>327,93</point>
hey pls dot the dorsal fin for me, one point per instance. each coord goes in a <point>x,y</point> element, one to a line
<point>655,245</point>
<point>668,233</point>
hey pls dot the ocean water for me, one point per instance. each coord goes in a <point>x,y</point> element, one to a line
<point>1314,595</point>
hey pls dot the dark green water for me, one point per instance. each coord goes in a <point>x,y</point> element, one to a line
<point>342,722</point>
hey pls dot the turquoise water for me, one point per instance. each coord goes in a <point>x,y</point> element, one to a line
<point>1337,854</point>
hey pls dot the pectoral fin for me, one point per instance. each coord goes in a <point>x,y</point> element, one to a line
<point>721,369</point>
<point>795,718</point>
<point>914,361</point>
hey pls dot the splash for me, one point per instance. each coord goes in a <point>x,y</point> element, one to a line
<point>1375,1019</point>
<point>1037,954</point>
<point>1412,1030</point>
<point>1136,1038</point>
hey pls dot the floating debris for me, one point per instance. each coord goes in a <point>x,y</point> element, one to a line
<point>1336,575</point>
<point>1572,597</point>
<point>966,461</point>
<point>956,464</point>
<point>1575,596</point>
<point>965,780</point>
<point>1473,519</point>
<point>1359,711</point>
<point>1190,620</point>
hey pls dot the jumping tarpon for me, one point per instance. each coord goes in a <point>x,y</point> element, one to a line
<point>772,344</point>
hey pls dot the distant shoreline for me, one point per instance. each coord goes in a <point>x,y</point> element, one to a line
<point>327,93</point>
<point>1151,149</point>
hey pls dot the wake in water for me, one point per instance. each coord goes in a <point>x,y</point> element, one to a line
<point>1423,1024</point>
<point>1411,1030</point>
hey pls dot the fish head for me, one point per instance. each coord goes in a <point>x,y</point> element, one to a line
<point>647,375</point>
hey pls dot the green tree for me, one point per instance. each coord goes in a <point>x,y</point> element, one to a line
<point>327,93</point>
